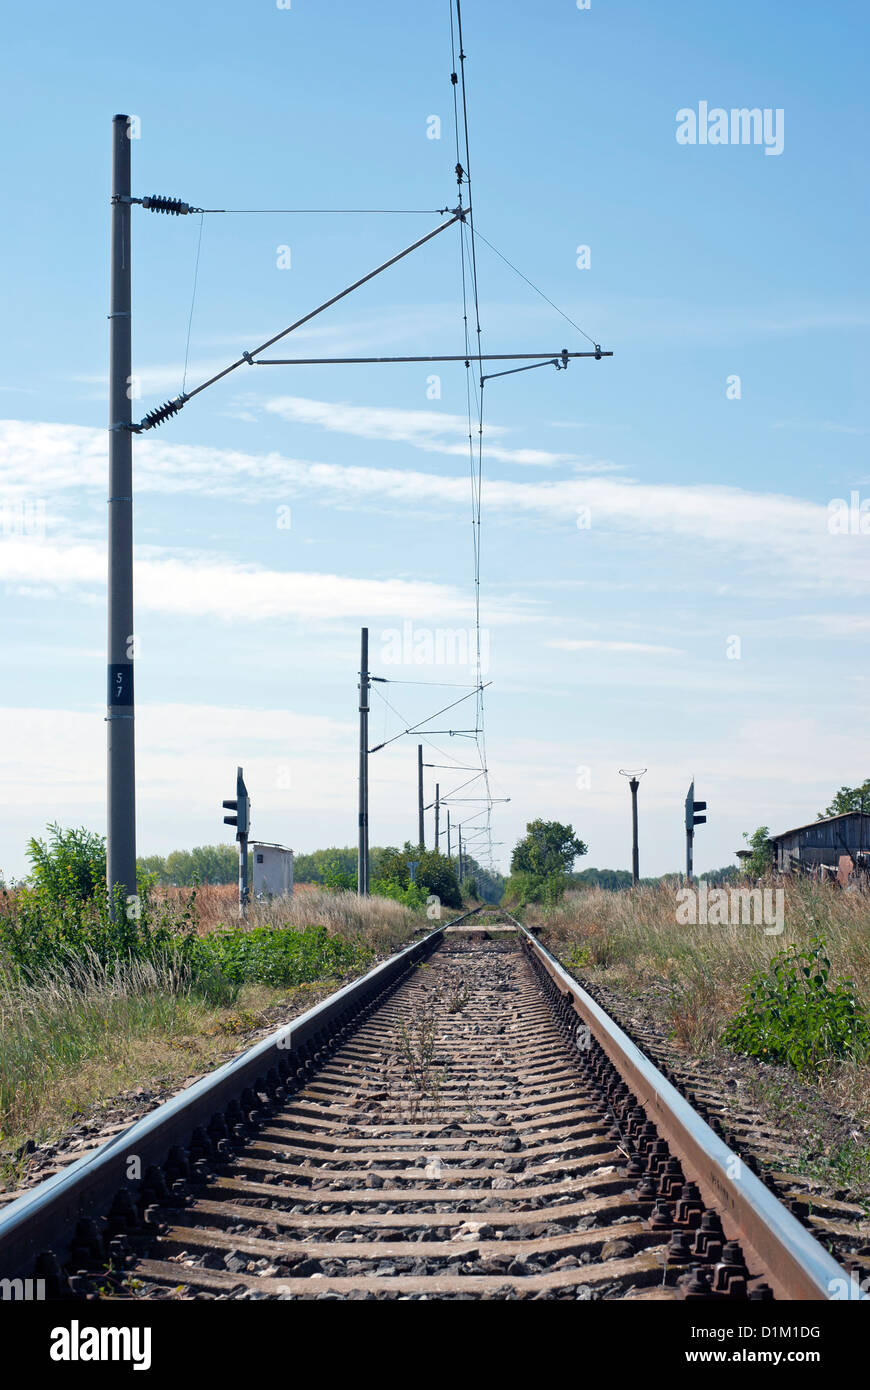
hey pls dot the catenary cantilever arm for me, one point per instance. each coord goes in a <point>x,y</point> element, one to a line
<point>156,417</point>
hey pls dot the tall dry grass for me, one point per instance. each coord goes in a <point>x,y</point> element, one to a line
<point>633,941</point>
<point>86,1012</point>
<point>690,980</point>
<point>384,925</point>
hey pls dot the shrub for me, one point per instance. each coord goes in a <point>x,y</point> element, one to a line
<point>522,888</point>
<point>277,955</point>
<point>412,895</point>
<point>791,1015</point>
<point>39,933</point>
<point>71,865</point>
<point>336,876</point>
<point>437,874</point>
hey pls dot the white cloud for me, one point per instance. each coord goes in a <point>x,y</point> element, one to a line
<point>301,770</point>
<point>831,624</point>
<point>771,536</point>
<point>202,586</point>
<point>429,430</point>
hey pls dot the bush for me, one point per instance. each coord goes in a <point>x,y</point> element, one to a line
<point>336,876</point>
<point>38,933</point>
<point>522,888</point>
<point>72,865</point>
<point>792,1016</point>
<point>412,895</point>
<point>437,874</point>
<point>63,916</point>
<point>277,955</point>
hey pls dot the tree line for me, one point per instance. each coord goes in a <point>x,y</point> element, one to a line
<point>542,864</point>
<point>336,868</point>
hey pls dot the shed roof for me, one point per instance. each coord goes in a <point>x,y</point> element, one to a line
<point>823,820</point>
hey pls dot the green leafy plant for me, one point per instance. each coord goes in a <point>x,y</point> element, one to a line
<point>541,863</point>
<point>69,866</point>
<point>276,955</point>
<point>418,1050</point>
<point>337,877</point>
<point>412,895</point>
<point>522,888</point>
<point>849,799</point>
<point>435,874</point>
<point>760,861</point>
<point>457,998</point>
<point>547,848</point>
<point>792,1015</point>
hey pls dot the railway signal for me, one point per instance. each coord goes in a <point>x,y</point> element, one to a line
<point>242,820</point>
<point>692,819</point>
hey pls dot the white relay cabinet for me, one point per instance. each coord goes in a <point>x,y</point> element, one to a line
<point>273,870</point>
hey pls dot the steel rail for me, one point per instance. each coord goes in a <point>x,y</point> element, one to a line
<point>799,1267</point>
<point>43,1218</point>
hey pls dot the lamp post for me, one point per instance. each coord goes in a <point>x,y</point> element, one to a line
<point>634,776</point>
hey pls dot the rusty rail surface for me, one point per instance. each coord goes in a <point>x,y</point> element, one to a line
<point>798,1266</point>
<point>464,1120</point>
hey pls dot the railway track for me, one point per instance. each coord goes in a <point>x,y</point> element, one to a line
<point>463,1122</point>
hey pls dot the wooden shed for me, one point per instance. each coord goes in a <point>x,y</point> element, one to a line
<point>823,842</point>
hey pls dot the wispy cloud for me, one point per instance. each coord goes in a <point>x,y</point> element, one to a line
<point>199,586</point>
<point>768,535</point>
<point>396,326</point>
<point>433,431</point>
<point>831,624</point>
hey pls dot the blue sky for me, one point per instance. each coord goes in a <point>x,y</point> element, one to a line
<point>611,644</point>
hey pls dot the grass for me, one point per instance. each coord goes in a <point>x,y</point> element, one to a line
<point>82,1023</point>
<point>694,980</point>
<point>92,1054</point>
<point>60,1030</point>
<point>634,942</point>
<point>382,924</point>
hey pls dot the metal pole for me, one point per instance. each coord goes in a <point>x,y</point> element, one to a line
<point>363,853</point>
<point>243,876</point>
<point>121,767</point>
<point>459,833</point>
<point>421,825</point>
<point>437,818</point>
<point>635,862</point>
<point>690,835</point>
<point>449,851</point>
